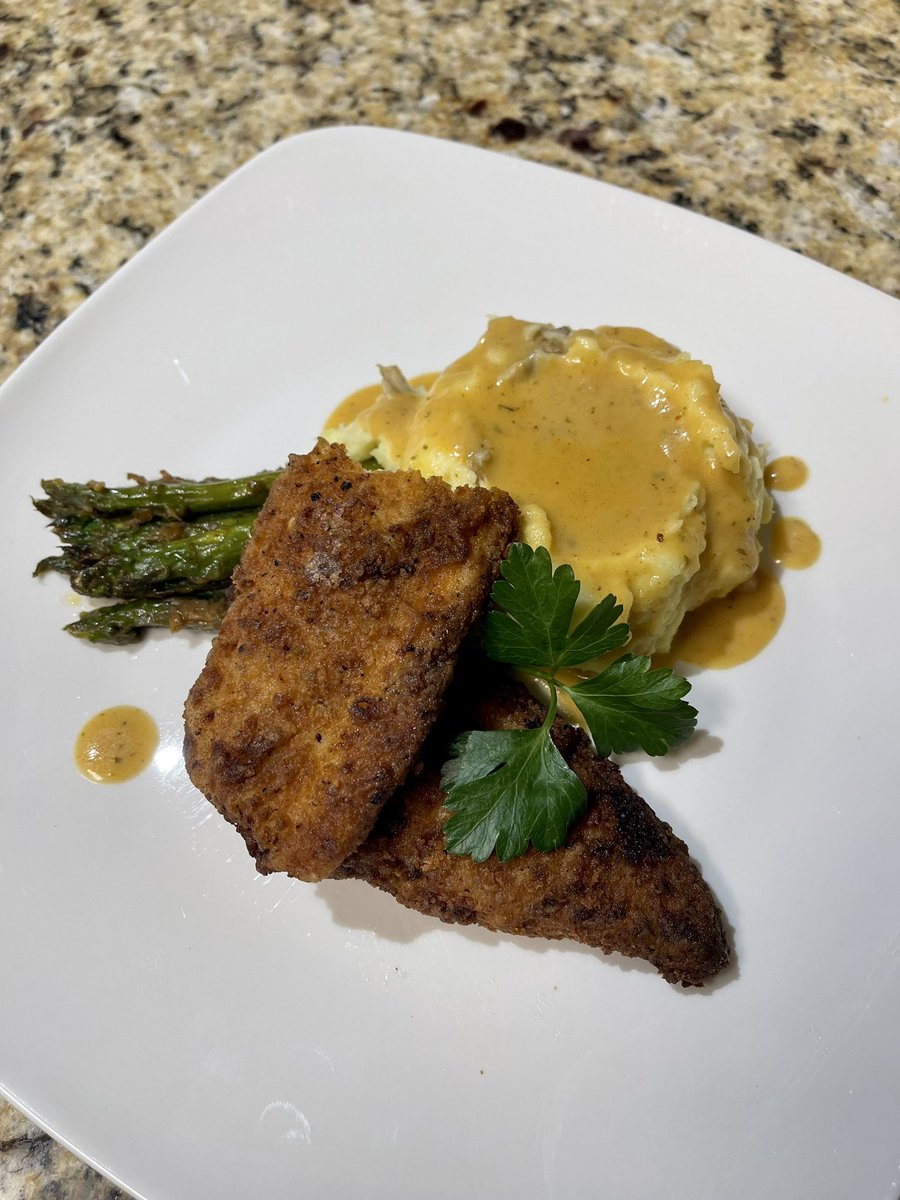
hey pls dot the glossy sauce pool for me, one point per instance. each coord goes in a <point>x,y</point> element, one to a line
<point>116,744</point>
<point>793,544</point>
<point>624,461</point>
<point>786,474</point>
<point>719,633</point>
<point>726,632</point>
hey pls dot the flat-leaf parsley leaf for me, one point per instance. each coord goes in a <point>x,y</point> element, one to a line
<point>495,780</point>
<point>630,707</point>
<point>507,789</point>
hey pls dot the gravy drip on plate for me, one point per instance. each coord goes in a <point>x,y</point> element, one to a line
<point>794,544</point>
<point>616,446</point>
<point>625,466</point>
<point>732,630</point>
<point>357,402</point>
<point>786,474</point>
<point>116,744</point>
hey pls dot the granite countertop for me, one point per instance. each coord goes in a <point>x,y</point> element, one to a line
<point>780,118</point>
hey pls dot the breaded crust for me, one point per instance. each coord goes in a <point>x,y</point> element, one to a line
<point>350,603</point>
<point>623,882</point>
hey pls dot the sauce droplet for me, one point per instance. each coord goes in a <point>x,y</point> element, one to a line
<point>786,474</point>
<point>727,632</point>
<point>794,544</point>
<point>350,407</point>
<point>116,744</point>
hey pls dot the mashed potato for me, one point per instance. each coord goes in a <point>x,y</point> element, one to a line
<point>617,447</point>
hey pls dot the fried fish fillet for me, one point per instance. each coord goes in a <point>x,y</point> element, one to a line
<point>623,882</point>
<point>350,603</point>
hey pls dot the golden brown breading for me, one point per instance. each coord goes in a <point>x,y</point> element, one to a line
<point>623,882</point>
<point>350,603</point>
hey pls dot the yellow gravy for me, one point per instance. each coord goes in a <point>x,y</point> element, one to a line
<point>786,474</point>
<point>607,421</point>
<point>794,544</point>
<point>731,630</point>
<point>734,629</point>
<point>116,744</point>
<point>615,445</point>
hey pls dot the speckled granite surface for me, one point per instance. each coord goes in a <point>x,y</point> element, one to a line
<point>781,118</point>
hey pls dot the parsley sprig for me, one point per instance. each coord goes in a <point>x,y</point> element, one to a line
<point>507,789</point>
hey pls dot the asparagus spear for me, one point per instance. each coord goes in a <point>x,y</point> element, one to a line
<point>158,559</point>
<point>90,534</point>
<point>166,547</point>
<point>164,497</point>
<point>89,539</point>
<point>119,624</point>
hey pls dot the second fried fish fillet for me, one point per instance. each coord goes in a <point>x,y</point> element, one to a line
<point>350,603</point>
<point>622,882</point>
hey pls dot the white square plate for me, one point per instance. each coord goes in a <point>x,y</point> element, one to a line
<point>195,1030</point>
